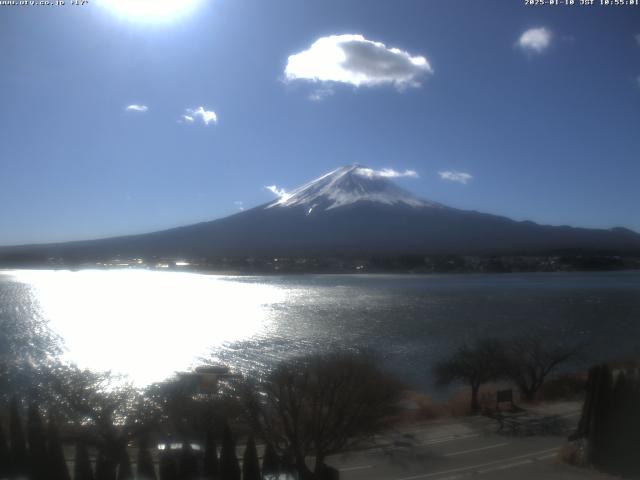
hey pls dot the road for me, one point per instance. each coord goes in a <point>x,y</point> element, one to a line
<point>457,449</point>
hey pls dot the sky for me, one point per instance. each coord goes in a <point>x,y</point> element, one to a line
<point>128,116</point>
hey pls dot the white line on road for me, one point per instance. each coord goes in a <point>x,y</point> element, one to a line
<point>451,438</point>
<point>476,449</point>
<point>474,467</point>
<point>436,441</point>
<point>506,466</point>
<point>356,467</point>
<point>551,455</point>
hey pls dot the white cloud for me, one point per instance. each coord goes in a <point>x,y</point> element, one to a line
<point>321,94</point>
<point>280,192</point>
<point>385,173</point>
<point>207,116</point>
<point>136,108</point>
<point>453,176</point>
<point>239,205</point>
<point>354,60</point>
<point>535,40</point>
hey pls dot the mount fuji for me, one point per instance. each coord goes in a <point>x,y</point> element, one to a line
<point>353,210</point>
<point>348,185</point>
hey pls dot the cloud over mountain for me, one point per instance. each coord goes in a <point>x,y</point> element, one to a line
<point>279,192</point>
<point>355,60</point>
<point>385,173</point>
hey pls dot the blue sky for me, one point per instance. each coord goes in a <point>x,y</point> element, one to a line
<point>538,106</point>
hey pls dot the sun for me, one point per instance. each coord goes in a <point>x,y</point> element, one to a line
<point>150,10</point>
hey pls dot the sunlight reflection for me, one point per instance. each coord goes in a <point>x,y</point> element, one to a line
<point>146,324</point>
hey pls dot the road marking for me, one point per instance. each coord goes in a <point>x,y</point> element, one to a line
<point>435,441</point>
<point>506,466</point>
<point>356,467</point>
<point>551,455</point>
<point>474,467</point>
<point>476,449</point>
<point>451,438</point>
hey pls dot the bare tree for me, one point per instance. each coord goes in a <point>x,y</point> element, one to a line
<point>475,365</point>
<point>321,405</point>
<point>532,358</point>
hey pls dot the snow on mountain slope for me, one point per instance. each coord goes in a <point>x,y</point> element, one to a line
<point>347,185</point>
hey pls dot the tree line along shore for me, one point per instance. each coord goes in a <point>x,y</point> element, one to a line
<point>407,263</point>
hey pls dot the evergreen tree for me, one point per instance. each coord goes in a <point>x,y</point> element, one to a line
<point>36,437</point>
<point>586,419</point>
<point>611,421</point>
<point>624,430</point>
<point>82,466</point>
<point>4,454</point>
<point>146,469</point>
<point>57,463</point>
<point>188,463</point>
<point>125,472</point>
<point>598,420</point>
<point>211,464</point>
<point>599,439</point>
<point>619,419</point>
<point>18,461</point>
<point>229,467</point>
<point>288,466</point>
<point>106,465</point>
<point>634,421</point>
<point>168,470</point>
<point>270,467</point>
<point>100,468</point>
<point>250,463</point>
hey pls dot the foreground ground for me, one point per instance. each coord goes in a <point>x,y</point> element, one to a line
<point>457,449</point>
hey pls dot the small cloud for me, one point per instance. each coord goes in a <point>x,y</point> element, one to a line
<point>279,192</point>
<point>357,61</point>
<point>535,40</point>
<point>136,108</point>
<point>239,205</point>
<point>320,94</point>
<point>385,173</point>
<point>453,176</point>
<point>207,116</point>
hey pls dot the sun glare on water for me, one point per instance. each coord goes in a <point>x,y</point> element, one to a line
<point>150,10</point>
<point>145,324</point>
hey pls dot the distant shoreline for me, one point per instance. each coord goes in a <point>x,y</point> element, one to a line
<point>244,272</point>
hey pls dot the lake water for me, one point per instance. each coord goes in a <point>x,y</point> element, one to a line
<point>149,324</point>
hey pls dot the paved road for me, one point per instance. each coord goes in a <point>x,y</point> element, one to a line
<point>451,450</point>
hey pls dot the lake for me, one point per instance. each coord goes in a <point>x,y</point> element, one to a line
<point>149,324</point>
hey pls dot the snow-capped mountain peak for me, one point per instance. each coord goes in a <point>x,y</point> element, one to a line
<point>347,185</point>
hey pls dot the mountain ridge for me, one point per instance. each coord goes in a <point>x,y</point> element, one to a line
<point>352,210</point>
